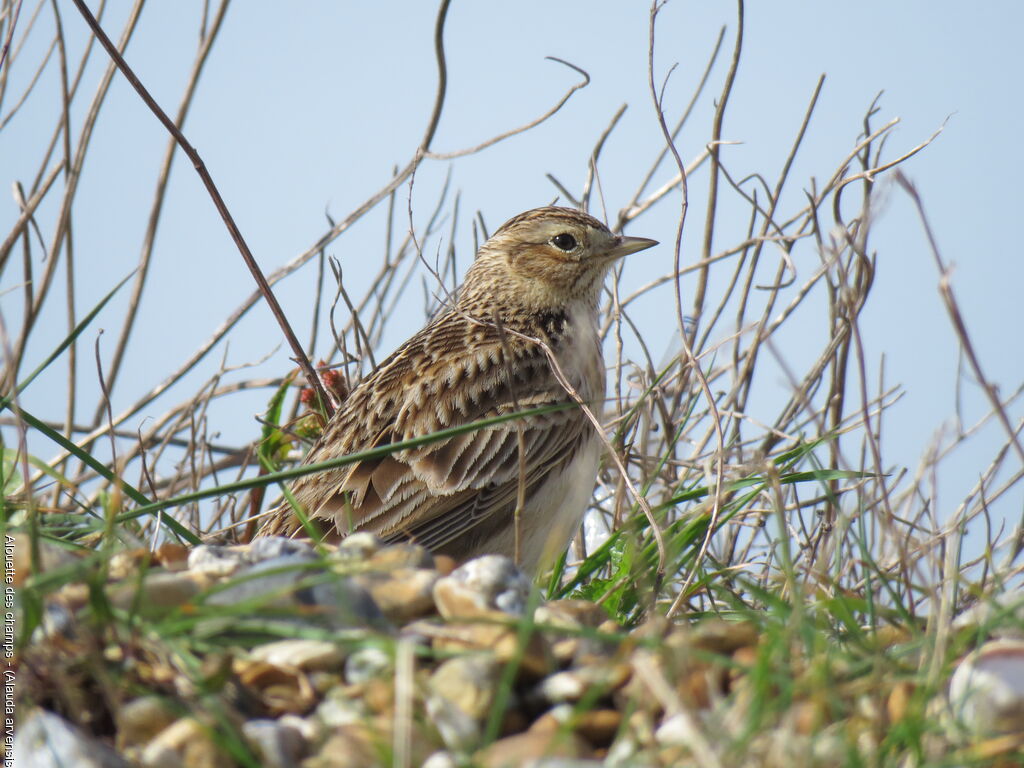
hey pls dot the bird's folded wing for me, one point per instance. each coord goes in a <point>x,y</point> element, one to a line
<point>435,492</point>
<point>455,496</point>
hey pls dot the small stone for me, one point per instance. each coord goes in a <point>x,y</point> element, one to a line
<point>340,707</point>
<point>402,594</point>
<point>654,628</point>
<point>127,563</point>
<point>986,692</point>
<point>349,746</point>
<point>599,726</point>
<point>343,603</point>
<point>140,720</point>
<point>270,547</point>
<point>276,745</point>
<point>300,653</point>
<point>293,581</point>
<point>379,696</point>
<point>544,744</point>
<point>461,637</point>
<point>173,557</point>
<point>46,740</point>
<point>404,555</point>
<point>724,637</point>
<point>308,728</point>
<point>74,595</point>
<point>215,560</point>
<point>158,592</point>
<point>897,704</point>
<point>57,621</point>
<point>323,682</point>
<point>184,743</point>
<point>566,649</point>
<point>445,564</point>
<point>482,586</point>
<point>534,661</point>
<point>572,684</point>
<point>609,627</point>
<point>466,681</point>
<point>280,690</point>
<point>441,759</point>
<point>808,717</point>
<point>366,664</point>
<point>571,614</point>
<point>581,650</point>
<point>677,730</point>
<point>696,683</point>
<point>461,695</point>
<point>358,546</point>
<point>365,745</point>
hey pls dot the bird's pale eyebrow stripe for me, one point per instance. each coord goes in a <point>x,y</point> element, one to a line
<point>567,215</point>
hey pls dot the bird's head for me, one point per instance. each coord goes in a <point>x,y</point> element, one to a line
<point>547,258</point>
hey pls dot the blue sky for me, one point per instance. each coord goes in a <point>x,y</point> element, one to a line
<point>306,111</point>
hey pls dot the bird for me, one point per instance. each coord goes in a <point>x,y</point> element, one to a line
<point>522,325</point>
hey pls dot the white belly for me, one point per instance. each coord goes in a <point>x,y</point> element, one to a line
<point>552,515</point>
<point>554,512</point>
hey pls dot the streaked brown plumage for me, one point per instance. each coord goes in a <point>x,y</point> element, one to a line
<point>539,277</point>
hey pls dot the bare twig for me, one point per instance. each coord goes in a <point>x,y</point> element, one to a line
<point>300,355</point>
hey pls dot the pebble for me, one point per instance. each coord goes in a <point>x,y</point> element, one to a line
<point>269,547</point>
<point>462,691</point>
<point>158,592</point>
<point>301,653</point>
<point>573,685</point>
<point>402,594</point>
<point>342,603</point>
<point>279,690</point>
<point>339,708</point>
<point>45,740</point>
<point>986,692</point>
<point>543,744</point>
<point>290,580</point>
<point>367,663</point>
<point>276,745</point>
<point>140,720</point>
<point>359,547</point>
<point>270,582</point>
<point>215,560</point>
<point>184,743</point>
<point>487,584</point>
<point>401,556</point>
<point>441,759</point>
<point>367,654</point>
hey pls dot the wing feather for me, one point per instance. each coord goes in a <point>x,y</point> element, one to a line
<point>438,492</point>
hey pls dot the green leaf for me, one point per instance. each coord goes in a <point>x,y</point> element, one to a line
<point>273,440</point>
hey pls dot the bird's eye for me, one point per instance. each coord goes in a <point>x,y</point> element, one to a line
<point>564,241</point>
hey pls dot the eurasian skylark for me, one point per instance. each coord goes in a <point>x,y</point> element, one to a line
<point>537,279</point>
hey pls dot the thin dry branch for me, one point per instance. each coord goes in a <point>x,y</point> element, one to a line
<point>268,295</point>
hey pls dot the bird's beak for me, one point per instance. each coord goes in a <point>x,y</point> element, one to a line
<point>623,246</point>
